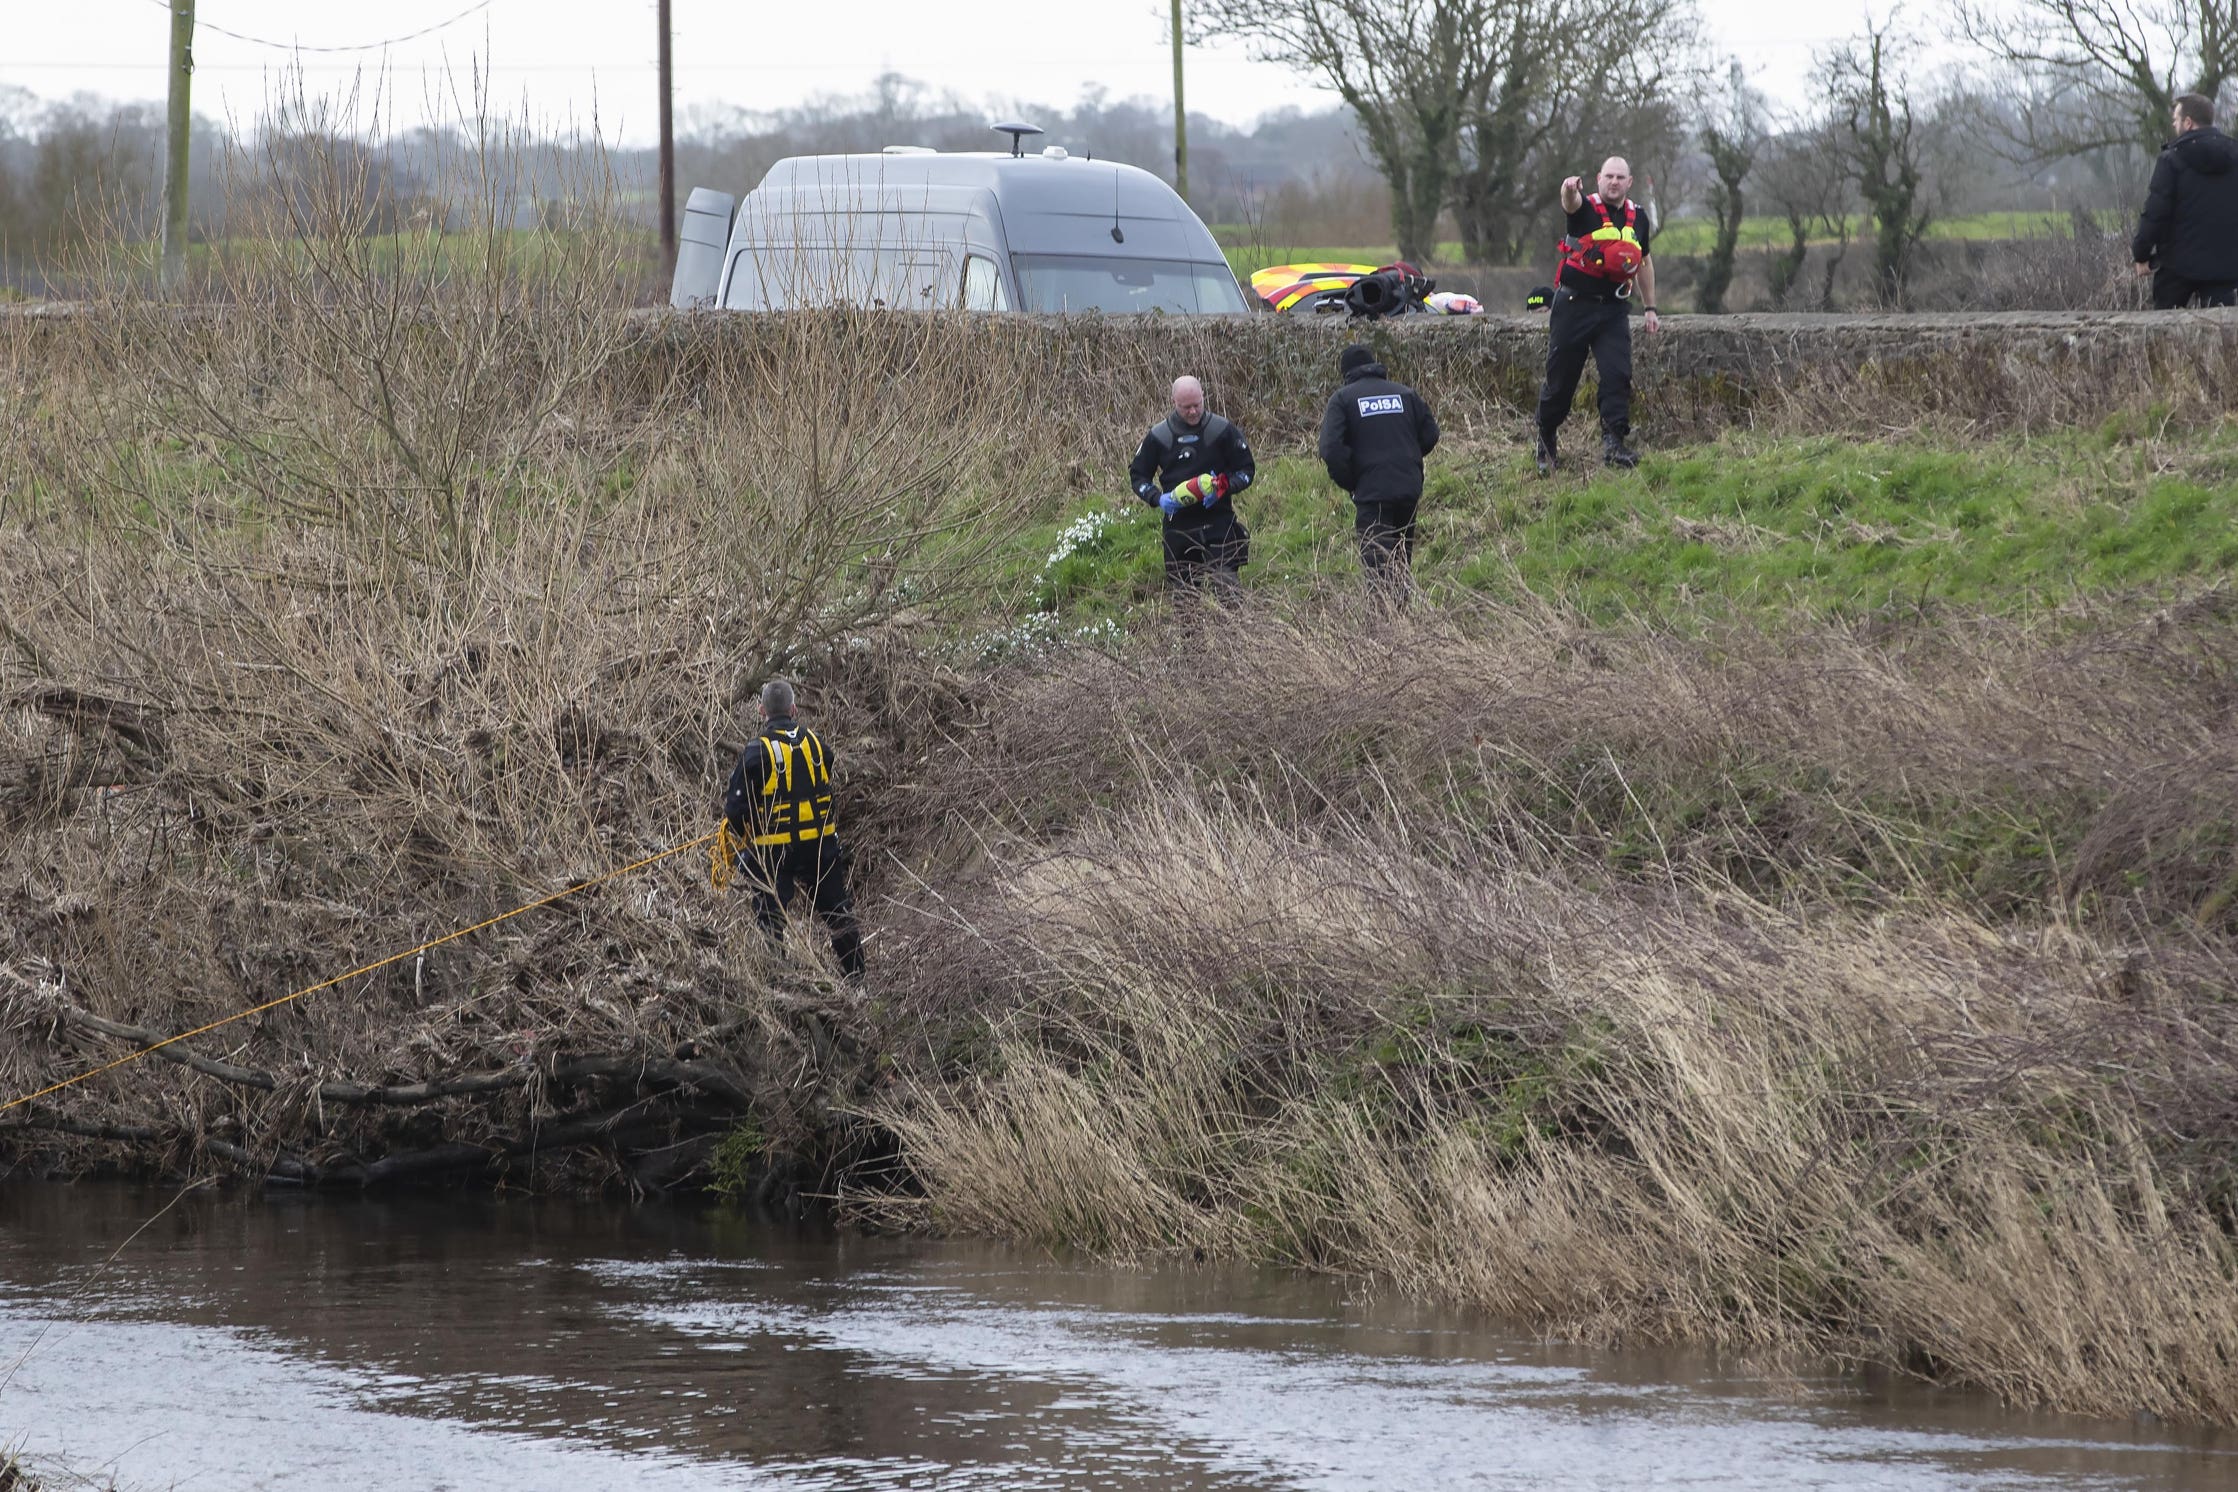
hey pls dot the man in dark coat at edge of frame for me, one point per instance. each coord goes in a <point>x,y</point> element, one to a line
<point>2187,235</point>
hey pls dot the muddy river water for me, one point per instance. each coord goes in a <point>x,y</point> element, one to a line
<point>477,1342</point>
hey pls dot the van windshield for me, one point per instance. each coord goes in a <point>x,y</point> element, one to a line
<point>1079,282</point>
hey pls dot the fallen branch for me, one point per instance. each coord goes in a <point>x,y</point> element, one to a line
<point>279,1168</point>
<point>451,1158</point>
<point>705,1077</point>
<point>138,727</point>
<point>134,1134</point>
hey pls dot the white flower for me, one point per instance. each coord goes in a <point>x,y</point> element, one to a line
<point>1079,534</point>
<point>1037,634</point>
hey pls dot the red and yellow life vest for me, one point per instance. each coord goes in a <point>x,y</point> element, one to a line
<point>1607,253</point>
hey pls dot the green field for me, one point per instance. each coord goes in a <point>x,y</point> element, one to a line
<point>1690,235</point>
<point>1695,235</point>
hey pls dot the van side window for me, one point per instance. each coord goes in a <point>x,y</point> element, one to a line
<point>983,286</point>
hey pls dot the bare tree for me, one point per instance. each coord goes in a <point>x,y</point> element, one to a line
<point>78,171</point>
<point>1731,139</point>
<point>1507,128</point>
<point>2099,73</point>
<point>1620,83</point>
<point>1408,68</point>
<point>1792,176</point>
<point>1881,138</point>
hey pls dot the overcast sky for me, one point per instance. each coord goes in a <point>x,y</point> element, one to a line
<point>561,59</point>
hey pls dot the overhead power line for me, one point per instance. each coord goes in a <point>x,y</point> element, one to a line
<point>363,46</point>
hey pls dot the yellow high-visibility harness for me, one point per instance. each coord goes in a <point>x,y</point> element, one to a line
<point>793,806</point>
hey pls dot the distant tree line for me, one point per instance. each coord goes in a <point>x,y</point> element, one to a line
<point>1454,121</point>
<point>83,169</point>
<point>67,166</point>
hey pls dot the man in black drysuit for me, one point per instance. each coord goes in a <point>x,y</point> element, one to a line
<point>2187,236</point>
<point>1374,434</point>
<point>1204,539</point>
<point>778,810</point>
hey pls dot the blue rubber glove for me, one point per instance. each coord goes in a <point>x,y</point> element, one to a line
<point>1169,505</point>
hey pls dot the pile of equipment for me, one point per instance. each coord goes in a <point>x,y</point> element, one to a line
<point>1362,292</point>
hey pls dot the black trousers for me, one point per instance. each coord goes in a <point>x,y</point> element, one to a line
<point>820,865</point>
<point>1208,554</point>
<point>1386,533</point>
<point>1578,327</point>
<point>2174,292</point>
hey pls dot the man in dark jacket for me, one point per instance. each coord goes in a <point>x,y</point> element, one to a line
<point>777,813</point>
<point>1204,540</point>
<point>2187,236</point>
<point>1374,435</point>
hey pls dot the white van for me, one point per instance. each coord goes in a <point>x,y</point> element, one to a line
<point>922,229</point>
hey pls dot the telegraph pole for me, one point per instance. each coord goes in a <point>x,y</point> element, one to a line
<point>181,127</point>
<point>668,146</point>
<point>1180,114</point>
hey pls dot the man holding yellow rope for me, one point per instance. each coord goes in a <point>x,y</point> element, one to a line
<point>778,825</point>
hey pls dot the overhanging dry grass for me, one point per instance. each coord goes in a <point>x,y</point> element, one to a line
<point>1620,1114</point>
<point>2081,759</point>
<point>1388,954</point>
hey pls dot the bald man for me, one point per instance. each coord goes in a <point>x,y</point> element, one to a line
<point>1206,544</point>
<point>1605,270</point>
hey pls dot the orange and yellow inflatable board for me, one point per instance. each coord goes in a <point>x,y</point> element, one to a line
<point>1284,285</point>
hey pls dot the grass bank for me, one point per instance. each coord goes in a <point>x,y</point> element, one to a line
<point>1765,527</point>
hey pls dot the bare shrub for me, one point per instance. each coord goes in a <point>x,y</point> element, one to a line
<point>2086,268</point>
<point>351,606</point>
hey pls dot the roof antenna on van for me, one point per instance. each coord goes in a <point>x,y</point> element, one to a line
<point>1017,133</point>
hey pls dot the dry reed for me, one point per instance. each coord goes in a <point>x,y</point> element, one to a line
<point>1370,960</point>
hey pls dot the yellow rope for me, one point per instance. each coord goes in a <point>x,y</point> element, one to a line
<point>542,901</point>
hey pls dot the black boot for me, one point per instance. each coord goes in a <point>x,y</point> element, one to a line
<point>1616,453</point>
<point>1544,453</point>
